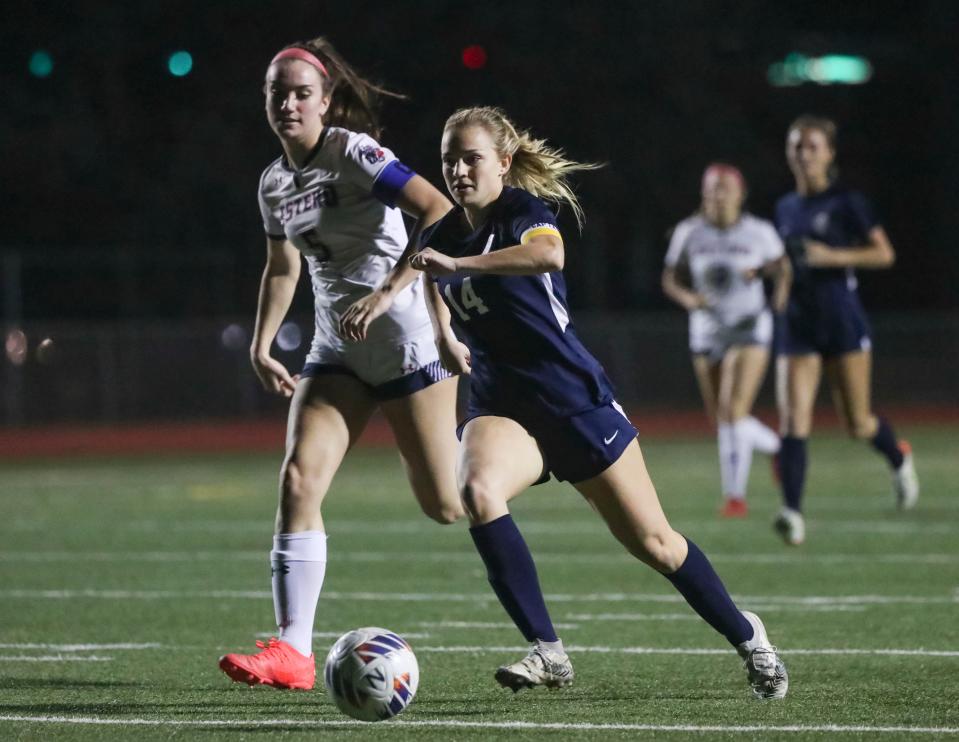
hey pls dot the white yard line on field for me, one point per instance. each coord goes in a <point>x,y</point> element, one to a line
<point>53,658</point>
<point>576,649</point>
<point>338,634</point>
<point>484,625</point>
<point>586,526</point>
<point>81,647</point>
<point>435,597</point>
<point>613,556</point>
<point>456,724</point>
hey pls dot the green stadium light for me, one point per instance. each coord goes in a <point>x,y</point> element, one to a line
<point>180,63</point>
<point>842,69</point>
<point>41,63</point>
<point>830,69</point>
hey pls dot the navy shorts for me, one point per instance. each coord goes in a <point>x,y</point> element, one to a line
<point>574,448</point>
<point>403,386</point>
<point>841,330</point>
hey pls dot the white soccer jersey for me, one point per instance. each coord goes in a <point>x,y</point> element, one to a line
<point>351,239</point>
<point>717,260</point>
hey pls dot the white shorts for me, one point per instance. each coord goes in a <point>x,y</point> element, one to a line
<point>391,369</point>
<point>709,337</point>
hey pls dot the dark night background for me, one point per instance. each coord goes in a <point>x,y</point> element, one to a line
<point>111,154</point>
<point>129,195</point>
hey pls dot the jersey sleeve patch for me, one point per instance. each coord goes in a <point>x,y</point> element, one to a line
<point>537,230</point>
<point>525,214</point>
<point>390,182</point>
<point>366,160</point>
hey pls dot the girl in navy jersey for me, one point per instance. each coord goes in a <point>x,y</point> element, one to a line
<point>331,196</point>
<point>829,231</point>
<point>726,252</point>
<point>540,403</point>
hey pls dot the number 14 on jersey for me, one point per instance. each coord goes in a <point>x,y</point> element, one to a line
<point>468,300</point>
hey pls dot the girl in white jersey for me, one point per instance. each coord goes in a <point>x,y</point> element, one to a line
<point>725,252</point>
<point>331,198</point>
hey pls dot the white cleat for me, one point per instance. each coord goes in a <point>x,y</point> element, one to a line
<point>905,481</point>
<point>765,671</point>
<point>541,666</point>
<point>791,526</point>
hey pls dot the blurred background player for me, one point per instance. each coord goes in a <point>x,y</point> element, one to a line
<point>331,197</point>
<point>539,402</point>
<point>829,231</point>
<point>725,253</point>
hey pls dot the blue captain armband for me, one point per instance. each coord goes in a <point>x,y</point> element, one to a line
<point>390,182</point>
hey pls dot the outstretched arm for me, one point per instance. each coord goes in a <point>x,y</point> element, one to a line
<point>540,254</point>
<point>422,201</point>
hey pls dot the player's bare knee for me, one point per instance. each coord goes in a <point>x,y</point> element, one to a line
<point>861,428</point>
<point>661,551</point>
<point>479,498</point>
<point>299,483</point>
<point>443,513</point>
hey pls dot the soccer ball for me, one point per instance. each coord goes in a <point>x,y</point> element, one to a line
<point>371,674</point>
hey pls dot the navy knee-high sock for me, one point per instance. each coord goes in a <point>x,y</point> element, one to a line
<point>512,574</point>
<point>792,470</point>
<point>698,582</point>
<point>885,442</point>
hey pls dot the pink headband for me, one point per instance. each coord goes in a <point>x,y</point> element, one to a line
<point>294,52</point>
<point>720,168</point>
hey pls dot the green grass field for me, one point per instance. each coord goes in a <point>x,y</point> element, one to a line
<point>124,580</point>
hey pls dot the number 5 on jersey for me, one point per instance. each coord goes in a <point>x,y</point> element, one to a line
<point>468,298</point>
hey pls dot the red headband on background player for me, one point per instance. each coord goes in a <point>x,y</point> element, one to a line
<point>303,55</point>
<point>720,168</point>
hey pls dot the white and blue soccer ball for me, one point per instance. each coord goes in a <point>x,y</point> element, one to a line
<point>371,674</point>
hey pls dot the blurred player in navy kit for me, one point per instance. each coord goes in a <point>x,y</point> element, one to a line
<point>331,197</point>
<point>829,231</point>
<point>726,252</point>
<point>539,402</point>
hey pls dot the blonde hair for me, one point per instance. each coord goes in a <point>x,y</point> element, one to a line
<point>536,167</point>
<point>354,100</point>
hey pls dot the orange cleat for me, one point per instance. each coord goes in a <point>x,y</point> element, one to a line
<point>279,665</point>
<point>734,507</point>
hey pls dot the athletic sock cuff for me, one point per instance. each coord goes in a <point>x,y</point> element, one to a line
<point>305,546</point>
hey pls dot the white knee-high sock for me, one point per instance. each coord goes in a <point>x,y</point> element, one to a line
<point>742,445</point>
<point>765,439</point>
<point>727,461</point>
<point>299,565</point>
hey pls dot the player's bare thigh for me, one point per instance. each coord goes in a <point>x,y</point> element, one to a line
<point>626,499</point>
<point>743,371</point>
<point>424,424</point>
<point>327,415</point>
<point>498,459</point>
<point>707,378</point>
<point>849,377</point>
<point>797,382</point>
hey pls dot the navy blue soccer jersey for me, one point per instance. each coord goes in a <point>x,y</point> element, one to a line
<point>824,315</point>
<point>837,217</point>
<point>524,351</point>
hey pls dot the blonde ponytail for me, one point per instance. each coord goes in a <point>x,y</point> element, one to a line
<point>536,167</point>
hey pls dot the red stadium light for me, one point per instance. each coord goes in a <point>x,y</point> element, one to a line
<point>474,57</point>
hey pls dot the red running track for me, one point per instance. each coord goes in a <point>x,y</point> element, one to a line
<point>268,435</point>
